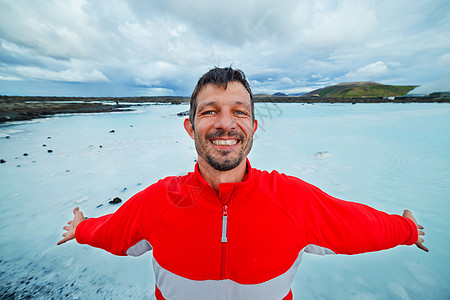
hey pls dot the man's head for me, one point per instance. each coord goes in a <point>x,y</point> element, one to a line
<point>219,77</point>
<point>222,119</point>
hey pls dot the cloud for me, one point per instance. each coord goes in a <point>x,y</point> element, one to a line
<point>9,78</point>
<point>65,75</point>
<point>50,28</point>
<point>440,85</point>
<point>445,59</point>
<point>339,24</point>
<point>232,22</point>
<point>165,46</point>
<point>374,70</point>
<point>158,92</point>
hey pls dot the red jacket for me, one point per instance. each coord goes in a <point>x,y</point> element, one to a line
<point>245,242</point>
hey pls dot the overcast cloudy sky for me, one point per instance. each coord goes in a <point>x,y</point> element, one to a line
<point>134,48</point>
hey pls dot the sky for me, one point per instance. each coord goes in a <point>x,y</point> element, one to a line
<point>151,48</point>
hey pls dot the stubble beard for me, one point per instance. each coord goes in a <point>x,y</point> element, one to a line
<point>222,160</point>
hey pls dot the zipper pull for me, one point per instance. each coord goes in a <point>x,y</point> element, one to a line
<point>225,210</point>
<point>224,223</point>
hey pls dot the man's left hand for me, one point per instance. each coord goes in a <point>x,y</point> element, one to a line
<point>419,243</point>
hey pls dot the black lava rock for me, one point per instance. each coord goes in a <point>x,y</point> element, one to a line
<point>183,113</point>
<point>115,200</point>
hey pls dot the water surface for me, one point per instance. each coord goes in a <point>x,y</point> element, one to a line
<point>389,156</point>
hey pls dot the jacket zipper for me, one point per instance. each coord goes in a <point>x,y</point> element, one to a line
<point>224,240</point>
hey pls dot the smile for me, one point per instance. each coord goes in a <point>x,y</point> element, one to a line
<point>228,142</point>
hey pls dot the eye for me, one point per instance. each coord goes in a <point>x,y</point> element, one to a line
<point>241,113</point>
<point>208,112</point>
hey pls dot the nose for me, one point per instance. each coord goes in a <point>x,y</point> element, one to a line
<point>225,121</point>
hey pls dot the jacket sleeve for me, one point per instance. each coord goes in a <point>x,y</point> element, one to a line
<point>118,232</point>
<point>350,228</point>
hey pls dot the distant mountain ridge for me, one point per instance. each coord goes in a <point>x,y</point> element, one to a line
<point>361,89</point>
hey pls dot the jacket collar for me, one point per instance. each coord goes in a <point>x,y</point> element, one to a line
<point>247,179</point>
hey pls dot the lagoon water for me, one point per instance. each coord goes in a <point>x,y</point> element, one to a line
<point>389,156</point>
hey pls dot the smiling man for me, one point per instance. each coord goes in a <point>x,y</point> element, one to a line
<point>227,230</point>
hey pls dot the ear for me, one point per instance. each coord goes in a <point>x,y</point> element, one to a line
<point>255,126</point>
<point>188,127</point>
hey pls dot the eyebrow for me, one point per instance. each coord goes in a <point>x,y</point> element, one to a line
<point>242,103</point>
<point>213,103</point>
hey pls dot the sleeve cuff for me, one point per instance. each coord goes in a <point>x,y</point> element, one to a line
<point>78,232</point>
<point>414,236</point>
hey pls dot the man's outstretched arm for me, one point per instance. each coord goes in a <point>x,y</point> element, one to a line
<point>347,227</point>
<point>70,234</point>
<point>419,243</point>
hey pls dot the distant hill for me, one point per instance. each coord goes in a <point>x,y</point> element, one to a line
<point>361,89</point>
<point>297,94</point>
<point>278,94</point>
<point>262,95</point>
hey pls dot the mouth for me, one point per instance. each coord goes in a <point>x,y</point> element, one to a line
<point>224,142</point>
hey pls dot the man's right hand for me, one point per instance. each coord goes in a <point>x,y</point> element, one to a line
<point>70,234</point>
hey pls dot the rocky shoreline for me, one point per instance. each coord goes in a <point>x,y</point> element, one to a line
<point>432,98</point>
<point>21,108</point>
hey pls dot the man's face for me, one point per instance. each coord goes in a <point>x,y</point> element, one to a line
<point>223,125</point>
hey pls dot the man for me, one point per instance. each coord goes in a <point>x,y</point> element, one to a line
<point>226,230</point>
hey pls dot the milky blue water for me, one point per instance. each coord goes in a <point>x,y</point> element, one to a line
<point>389,156</point>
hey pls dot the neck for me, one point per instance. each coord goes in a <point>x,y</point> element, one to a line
<point>214,177</point>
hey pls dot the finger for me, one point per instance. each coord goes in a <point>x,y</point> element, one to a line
<point>421,232</point>
<point>70,222</point>
<point>62,241</point>
<point>67,237</point>
<point>420,226</point>
<point>421,246</point>
<point>76,209</point>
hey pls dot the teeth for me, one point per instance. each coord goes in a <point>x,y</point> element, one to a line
<point>224,142</point>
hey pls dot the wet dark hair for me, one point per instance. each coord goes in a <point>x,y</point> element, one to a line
<point>219,77</point>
